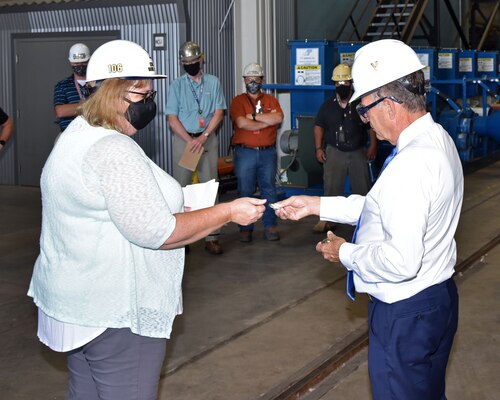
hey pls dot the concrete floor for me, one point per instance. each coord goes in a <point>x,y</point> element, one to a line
<point>257,314</point>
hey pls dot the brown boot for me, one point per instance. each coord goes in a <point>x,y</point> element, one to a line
<point>271,233</point>
<point>213,247</point>
<point>245,236</point>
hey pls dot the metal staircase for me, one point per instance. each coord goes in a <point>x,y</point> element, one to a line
<point>385,19</point>
<point>394,19</point>
<point>370,20</point>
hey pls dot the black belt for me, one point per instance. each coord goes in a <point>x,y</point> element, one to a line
<point>195,134</point>
<point>255,147</point>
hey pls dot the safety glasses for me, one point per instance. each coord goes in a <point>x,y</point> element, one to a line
<point>363,110</point>
<point>147,96</point>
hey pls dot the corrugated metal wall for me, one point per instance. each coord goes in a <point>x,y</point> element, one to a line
<point>7,155</point>
<point>206,21</point>
<point>284,25</point>
<point>135,23</point>
<point>138,23</point>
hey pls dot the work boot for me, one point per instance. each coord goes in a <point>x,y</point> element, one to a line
<point>320,226</point>
<point>245,236</point>
<point>330,226</point>
<point>271,233</point>
<point>213,247</point>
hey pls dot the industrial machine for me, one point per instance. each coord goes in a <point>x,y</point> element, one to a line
<point>464,98</point>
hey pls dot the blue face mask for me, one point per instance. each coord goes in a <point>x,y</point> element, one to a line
<point>140,113</point>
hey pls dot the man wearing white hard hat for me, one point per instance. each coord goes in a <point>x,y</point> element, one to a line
<point>70,92</point>
<point>256,116</point>
<point>403,252</point>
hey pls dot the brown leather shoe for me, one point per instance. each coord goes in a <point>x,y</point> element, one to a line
<point>245,236</point>
<point>213,247</point>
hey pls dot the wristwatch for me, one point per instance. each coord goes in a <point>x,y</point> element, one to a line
<point>253,116</point>
<point>2,142</point>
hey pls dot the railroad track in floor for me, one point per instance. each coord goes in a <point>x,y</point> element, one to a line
<point>344,351</point>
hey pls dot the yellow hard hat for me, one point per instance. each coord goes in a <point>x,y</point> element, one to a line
<point>341,72</point>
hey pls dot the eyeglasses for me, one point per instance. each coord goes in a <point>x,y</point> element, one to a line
<point>363,110</point>
<point>254,79</point>
<point>147,96</point>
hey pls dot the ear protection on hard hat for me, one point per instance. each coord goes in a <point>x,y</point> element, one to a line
<point>381,62</point>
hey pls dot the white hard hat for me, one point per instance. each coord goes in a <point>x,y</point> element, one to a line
<point>121,59</point>
<point>190,51</point>
<point>253,69</point>
<point>381,62</point>
<point>78,53</point>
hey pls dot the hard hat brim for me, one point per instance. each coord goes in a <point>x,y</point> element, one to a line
<point>131,78</point>
<point>193,58</point>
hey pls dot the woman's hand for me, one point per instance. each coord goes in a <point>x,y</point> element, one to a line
<point>247,210</point>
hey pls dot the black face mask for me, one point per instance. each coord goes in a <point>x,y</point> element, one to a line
<point>87,90</point>
<point>80,70</point>
<point>140,114</point>
<point>253,87</point>
<point>192,69</point>
<point>343,91</point>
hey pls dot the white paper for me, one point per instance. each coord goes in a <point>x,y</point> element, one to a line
<point>200,195</point>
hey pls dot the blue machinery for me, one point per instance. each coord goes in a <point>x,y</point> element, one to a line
<point>464,84</point>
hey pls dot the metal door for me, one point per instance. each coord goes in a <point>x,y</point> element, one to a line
<point>42,61</point>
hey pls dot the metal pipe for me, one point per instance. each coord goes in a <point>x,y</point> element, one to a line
<point>488,125</point>
<point>488,90</point>
<point>450,102</point>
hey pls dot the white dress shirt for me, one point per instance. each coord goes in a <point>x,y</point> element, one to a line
<point>405,240</point>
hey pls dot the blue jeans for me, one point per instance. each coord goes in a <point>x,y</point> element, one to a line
<point>257,167</point>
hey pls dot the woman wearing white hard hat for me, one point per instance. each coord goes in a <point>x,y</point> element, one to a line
<point>403,251</point>
<point>107,282</point>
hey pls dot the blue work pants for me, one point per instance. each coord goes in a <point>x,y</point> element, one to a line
<point>410,343</point>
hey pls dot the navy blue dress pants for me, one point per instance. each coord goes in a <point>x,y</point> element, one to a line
<point>410,343</point>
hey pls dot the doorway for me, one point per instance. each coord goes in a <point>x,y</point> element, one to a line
<point>41,62</point>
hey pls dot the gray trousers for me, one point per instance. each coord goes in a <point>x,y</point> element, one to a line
<point>338,165</point>
<point>207,167</point>
<point>117,365</point>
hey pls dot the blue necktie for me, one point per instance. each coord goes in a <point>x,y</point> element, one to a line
<point>351,293</point>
